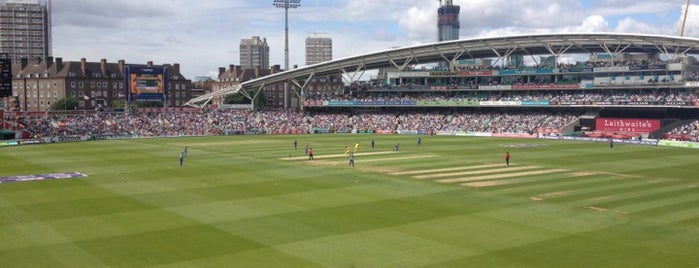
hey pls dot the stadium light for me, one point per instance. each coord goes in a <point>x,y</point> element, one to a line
<point>286,5</point>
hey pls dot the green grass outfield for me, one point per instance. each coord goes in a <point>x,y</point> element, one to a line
<point>253,201</point>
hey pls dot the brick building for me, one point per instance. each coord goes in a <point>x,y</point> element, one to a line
<point>37,83</point>
<point>274,93</point>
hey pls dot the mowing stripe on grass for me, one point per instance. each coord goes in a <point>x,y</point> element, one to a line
<point>543,176</point>
<point>534,187</point>
<point>601,190</point>
<point>494,176</point>
<point>503,182</point>
<point>676,216</point>
<point>423,171</point>
<point>324,156</point>
<point>474,172</point>
<point>611,200</point>
<point>664,203</point>
<point>359,161</point>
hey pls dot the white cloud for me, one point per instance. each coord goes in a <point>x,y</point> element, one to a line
<point>629,25</point>
<point>418,24</point>
<point>203,35</point>
<point>692,24</point>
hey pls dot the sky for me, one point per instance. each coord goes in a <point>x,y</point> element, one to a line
<point>203,35</point>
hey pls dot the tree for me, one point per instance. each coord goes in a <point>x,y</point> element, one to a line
<point>260,101</point>
<point>67,103</point>
<point>117,104</point>
<point>236,98</point>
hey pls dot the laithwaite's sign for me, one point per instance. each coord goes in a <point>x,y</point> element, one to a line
<point>627,124</point>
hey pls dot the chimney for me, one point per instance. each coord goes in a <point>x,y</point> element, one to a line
<point>83,65</point>
<point>49,62</point>
<point>121,64</point>
<point>24,62</point>
<point>59,64</point>
<point>149,63</point>
<point>296,66</point>
<point>257,71</point>
<point>177,67</point>
<point>103,66</point>
<point>276,68</point>
<point>37,60</point>
<point>221,70</point>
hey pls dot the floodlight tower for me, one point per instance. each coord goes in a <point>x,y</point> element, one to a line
<point>684,18</point>
<point>286,4</point>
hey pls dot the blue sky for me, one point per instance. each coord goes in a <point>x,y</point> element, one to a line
<point>204,35</point>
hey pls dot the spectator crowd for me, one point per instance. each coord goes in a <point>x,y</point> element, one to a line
<point>244,121</point>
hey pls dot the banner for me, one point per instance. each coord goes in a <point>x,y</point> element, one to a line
<point>495,87</point>
<point>627,124</point>
<point>499,103</point>
<point>477,73</point>
<point>611,69</point>
<point>448,103</point>
<point>547,86</point>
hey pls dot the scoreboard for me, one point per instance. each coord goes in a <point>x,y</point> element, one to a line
<point>5,76</point>
<point>145,83</point>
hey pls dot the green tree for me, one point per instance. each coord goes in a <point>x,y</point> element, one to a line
<point>236,98</point>
<point>260,101</point>
<point>68,103</point>
<point>117,104</point>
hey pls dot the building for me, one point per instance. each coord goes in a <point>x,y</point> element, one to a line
<point>448,24</point>
<point>25,29</point>
<point>36,84</point>
<point>318,49</point>
<point>236,74</point>
<point>274,93</point>
<point>254,53</point>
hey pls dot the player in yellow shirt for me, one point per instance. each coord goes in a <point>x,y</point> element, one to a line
<point>347,151</point>
<point>356,147</point>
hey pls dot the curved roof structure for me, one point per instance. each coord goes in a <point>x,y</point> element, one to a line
<point>488,47</point>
